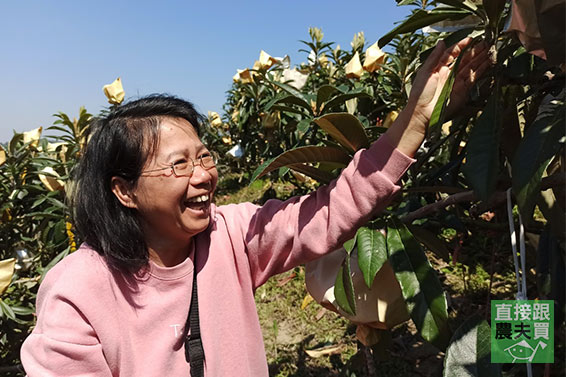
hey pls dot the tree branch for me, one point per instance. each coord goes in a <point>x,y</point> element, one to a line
<point>469,196</point>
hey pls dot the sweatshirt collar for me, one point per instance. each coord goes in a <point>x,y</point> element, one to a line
<point>174,272</point>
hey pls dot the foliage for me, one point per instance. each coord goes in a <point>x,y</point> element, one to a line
<point>303,124</point>
<point>510,134</point>
<point>275,108</point>
<point>469,351</point>
<point>35,227</point>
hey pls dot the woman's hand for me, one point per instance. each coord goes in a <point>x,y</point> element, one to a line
<point>432,76</point>
<point>408,132</point>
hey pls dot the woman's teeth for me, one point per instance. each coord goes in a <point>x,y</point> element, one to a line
<point>198,199</point>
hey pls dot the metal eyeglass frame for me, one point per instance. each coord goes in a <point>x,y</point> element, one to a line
<point>172,167</point>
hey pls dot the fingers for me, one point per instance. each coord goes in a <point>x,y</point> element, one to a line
<point>452,53</point>
<point>474,74</point>
<point>475,55</point>
<point>435,55</point>
<point>473,65</point>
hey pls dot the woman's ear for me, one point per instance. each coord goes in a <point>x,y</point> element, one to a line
<point>123,191</point>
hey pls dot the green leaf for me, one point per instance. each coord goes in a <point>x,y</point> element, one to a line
<point>345,128</point>
<point>344,288</point>
<point>482,151</point>
<point>349,245</point>
<point>341,99</point>
<point>290,100</point>
<point>57,203</point>
<point>323,94</point>
<point>493,9</point>
<point>552,212</point>
<point>455,37</point>
<point>534,154</point>
<point>315,173</point>
<point>422,291</point>
<point>303,125</point>
<point>469,352</point>
<point>63,119</point>
<point>372,252</point>
<point>290,89</point>
<point>437,116</point>
<point>431,241</point>
<point>420,19</point>
<point>20,310</point>
<point>48,214</point>
<point>302,155</point>
<point>62,129</point>
<point>461,4</point>
<point>7,310</point>
<point>288,109</point>
<point>260,170</point>
<point>551,274</point>
<point>14,142</point>
<point>282,172</point>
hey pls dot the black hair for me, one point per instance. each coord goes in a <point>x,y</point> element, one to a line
<point>119,145</point>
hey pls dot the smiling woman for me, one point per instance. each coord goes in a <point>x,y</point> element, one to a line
<point>172,209</point>
<point>137,136</point>
<point>154,242</point>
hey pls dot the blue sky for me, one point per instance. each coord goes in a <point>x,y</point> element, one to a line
<point>56,55</point>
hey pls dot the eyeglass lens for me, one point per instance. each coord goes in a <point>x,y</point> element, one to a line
<point>186,168</point>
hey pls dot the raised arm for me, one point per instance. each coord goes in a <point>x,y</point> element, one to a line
<point>282,235</point>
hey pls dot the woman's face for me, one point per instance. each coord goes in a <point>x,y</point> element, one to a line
<point>168,204</point>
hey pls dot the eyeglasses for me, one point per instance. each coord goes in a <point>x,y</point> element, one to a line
<point>184,168</point>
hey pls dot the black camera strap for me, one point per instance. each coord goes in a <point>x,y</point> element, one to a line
<point>194,353</point>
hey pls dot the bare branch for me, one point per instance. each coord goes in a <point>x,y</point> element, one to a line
<point>469,196</point>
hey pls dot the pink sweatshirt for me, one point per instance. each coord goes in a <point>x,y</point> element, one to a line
<point>92,322</point>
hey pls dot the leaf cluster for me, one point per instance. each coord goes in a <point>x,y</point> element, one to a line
<point>35,227</point>
<point>509,135</point>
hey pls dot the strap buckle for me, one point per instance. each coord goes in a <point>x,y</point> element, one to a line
<point>193,349</point>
